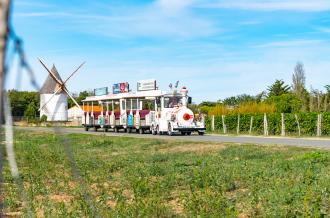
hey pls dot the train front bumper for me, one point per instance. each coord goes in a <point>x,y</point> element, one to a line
<point>189,129</point>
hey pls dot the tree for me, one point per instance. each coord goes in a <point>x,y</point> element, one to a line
<point>298,85</point>
<point>19,101</point>
<point>43,118</point>
<point>208,104</point>
<point>261,96</point>
<point>278,88</point>
<point>299,80</point>
<point>327,87</point>
<point>326,98</point>
<point>239,99</point>
<point>82,95</point>
<point>30,111</point>
<point>230,101</point>
<point>286,103</point>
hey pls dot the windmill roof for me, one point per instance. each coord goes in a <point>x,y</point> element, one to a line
<point>50,85</point>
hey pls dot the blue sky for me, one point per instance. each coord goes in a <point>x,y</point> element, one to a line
<point>218,48</point>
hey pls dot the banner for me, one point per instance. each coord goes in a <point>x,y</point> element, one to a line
<point>101,91</point>
<point>120,88</point>
<point>146,85</point>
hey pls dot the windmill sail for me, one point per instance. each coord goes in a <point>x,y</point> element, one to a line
<point>53,95</point>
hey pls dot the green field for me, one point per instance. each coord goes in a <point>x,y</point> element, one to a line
<point>129,177</point>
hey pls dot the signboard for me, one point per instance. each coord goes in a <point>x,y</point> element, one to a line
<point>101,91</point>
<point>120,88</point>
<point>146,85</point>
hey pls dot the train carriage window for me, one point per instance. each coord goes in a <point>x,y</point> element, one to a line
<point>123,105</point>
<point>148,104</point>
<point>131,104</point>
<point>116,106</point>
<point>134,104</point>
<point>170,102</point>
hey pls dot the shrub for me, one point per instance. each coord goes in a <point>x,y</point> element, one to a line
<point>286,103</point>
<point>307,121</point>
<point>43,118</point>
<point>30,112</point>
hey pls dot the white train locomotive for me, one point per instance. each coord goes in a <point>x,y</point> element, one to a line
<point>146,110</point>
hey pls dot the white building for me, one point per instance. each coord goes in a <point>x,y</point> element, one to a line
<point>57,107</point>
<point>75,113</point>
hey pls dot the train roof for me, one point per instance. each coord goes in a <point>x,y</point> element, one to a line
<point>127,95</point>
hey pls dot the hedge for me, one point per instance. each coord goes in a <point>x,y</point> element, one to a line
<point>307,121</point>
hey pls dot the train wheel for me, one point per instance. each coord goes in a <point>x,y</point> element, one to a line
<point>183,133</point>
<point>141,131</point>
<point>169,131</point>
<point>116,129</point>
<point>86,128</point>
<point>129,130</point>
<point>188,133</point>
<point>153,131</point>
<point>158,131</point>
<point>106,130</point>
<point>95,129</point>
<point>200,133</point>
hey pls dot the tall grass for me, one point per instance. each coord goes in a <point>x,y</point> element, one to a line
<point>254,107</point>
<point>244,108</point>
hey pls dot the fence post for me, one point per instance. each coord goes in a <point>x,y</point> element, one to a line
<point>224,125</point>
<point>265,125</point>
<point>296,116</point>
<point>212,123</point>
<point>238,122</point>
<point>251,124</point>
<point>319,125</point>
<point>283,125</point>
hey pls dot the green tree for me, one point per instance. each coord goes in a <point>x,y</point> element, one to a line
<point>239,99</point>
<point>278,88</point>
<point>43,118</point>
<point>327,87</point>
<point>208,104</point>
<point>19,101</point>
<point>230,101</point>
<point>261,96</point>
<point>82,95</point>
<point>30,111</point>
<point>286,103</point>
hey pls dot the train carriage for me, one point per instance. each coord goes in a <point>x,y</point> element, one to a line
<point>153,111</point>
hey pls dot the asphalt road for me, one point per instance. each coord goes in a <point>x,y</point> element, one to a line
<point>302,142</point>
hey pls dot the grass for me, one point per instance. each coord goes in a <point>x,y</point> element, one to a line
<point>126,177</point>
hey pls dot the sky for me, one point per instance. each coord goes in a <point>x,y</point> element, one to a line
<point>217,48</point>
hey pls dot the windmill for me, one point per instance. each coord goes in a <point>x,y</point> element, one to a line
<point>54,94</point>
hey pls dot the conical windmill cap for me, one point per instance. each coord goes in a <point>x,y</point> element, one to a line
<point>50,85</point>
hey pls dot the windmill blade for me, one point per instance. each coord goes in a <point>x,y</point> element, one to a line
<point>67,92</point>
<point>74,72</point>
<point>50,98</point>
<point>51,73</point>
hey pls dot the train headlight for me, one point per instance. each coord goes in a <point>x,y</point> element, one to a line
<point>186,116</point>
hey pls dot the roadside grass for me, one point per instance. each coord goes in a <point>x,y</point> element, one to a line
<point>127,177</point>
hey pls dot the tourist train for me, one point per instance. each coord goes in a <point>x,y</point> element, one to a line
<point>146,110</point>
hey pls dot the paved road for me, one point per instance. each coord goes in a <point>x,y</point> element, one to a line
<point>302,142</point>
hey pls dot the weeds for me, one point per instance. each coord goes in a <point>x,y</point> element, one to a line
<point>128,177</point>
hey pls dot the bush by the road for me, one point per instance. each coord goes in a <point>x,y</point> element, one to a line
<point>307,122</point>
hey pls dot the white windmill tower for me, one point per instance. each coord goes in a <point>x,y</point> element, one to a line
<point>54,96</point>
